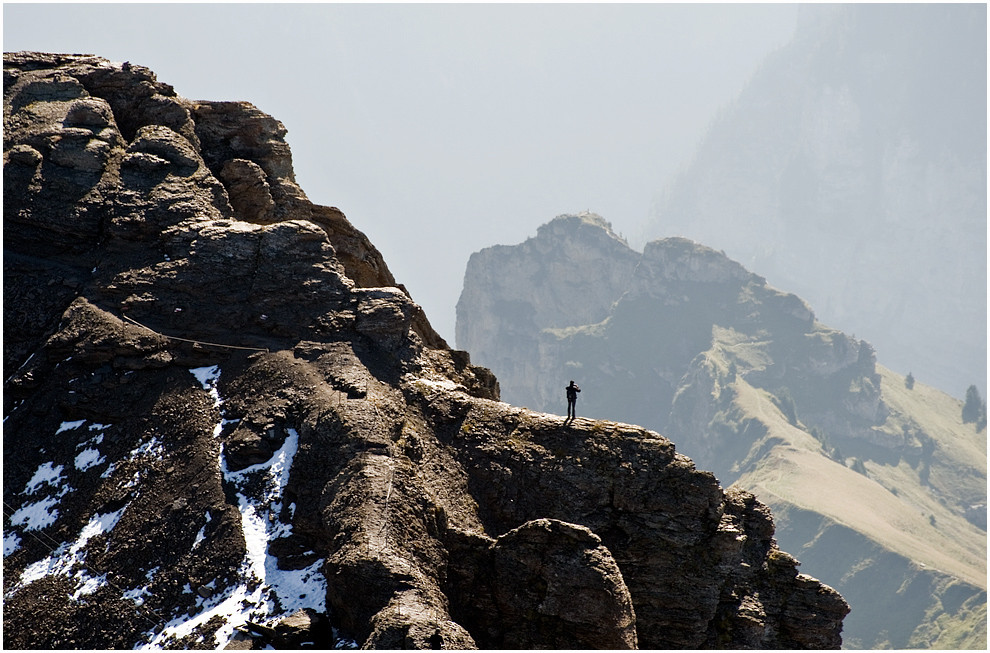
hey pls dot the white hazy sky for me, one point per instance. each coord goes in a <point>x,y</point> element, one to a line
<point>442,129</point>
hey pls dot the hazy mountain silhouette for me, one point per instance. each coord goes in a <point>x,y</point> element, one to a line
<point>852,170</point>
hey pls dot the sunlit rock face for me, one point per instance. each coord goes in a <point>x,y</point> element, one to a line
<point>226,425</point>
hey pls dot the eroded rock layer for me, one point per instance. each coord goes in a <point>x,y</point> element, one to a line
<point>225,424</point>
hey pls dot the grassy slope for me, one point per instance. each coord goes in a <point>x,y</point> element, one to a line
<point>797,472</point>
<point>961,455</point>
<point>888,521</point>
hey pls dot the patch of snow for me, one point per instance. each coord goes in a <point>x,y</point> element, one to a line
<point>70,559</point>
<point>68,426</point>
<point>16,405</point>
<point>41,513</point>
<point>201,535</point>
<point>264,592</point>
<point>342,643</point>
<point>86,584</point>
<point>134,481</point>
<point>47,474</point>
<point>92,442</point>
<point>152,447</point>
<point>137,595</point>
<point>88,458</point>
<point>208,377</point>
<point>182,626</point>
<point>37,515</point>
<point>97,438</point>
<point>11,542</point>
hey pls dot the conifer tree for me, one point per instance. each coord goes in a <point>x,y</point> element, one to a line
<point>974,411</point>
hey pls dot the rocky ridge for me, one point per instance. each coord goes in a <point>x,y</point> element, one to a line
<point>225,425</point>
<point>880,486</point>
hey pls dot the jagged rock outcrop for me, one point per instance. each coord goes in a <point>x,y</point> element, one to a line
<point>573,271</point>
<point>756,390</point>
<point>226,425</point>
<point>518,578</point>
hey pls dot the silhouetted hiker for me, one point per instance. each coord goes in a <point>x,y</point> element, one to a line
<point>572,391</point>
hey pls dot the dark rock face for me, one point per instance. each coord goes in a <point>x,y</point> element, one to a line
<point>226,425</point>
<point>548,582</point>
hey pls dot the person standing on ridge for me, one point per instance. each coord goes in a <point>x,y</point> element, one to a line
<point>572,391</point>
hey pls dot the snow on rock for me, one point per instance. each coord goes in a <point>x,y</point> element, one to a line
<point>97,439</point>
<point>88,458</point>
<point>263,593</point>
<point>69,426</point>
<point>152,447</point>
<point>41,513</point>
<point>137,595</point>
<point>70,559</point>
<point>11,542</point>
<point>36,516</point>
<point>46,474</point>
<point>208,377</point>
<point>201,535</point>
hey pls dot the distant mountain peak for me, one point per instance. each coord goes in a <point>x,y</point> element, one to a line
<point>569,221</point>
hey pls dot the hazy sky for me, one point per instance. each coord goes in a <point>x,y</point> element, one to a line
<point>443,129</point>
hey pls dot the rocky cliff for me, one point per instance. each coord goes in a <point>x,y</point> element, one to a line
<point>226,425</point>
<point>852,170</point>
<point>881,487</point>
